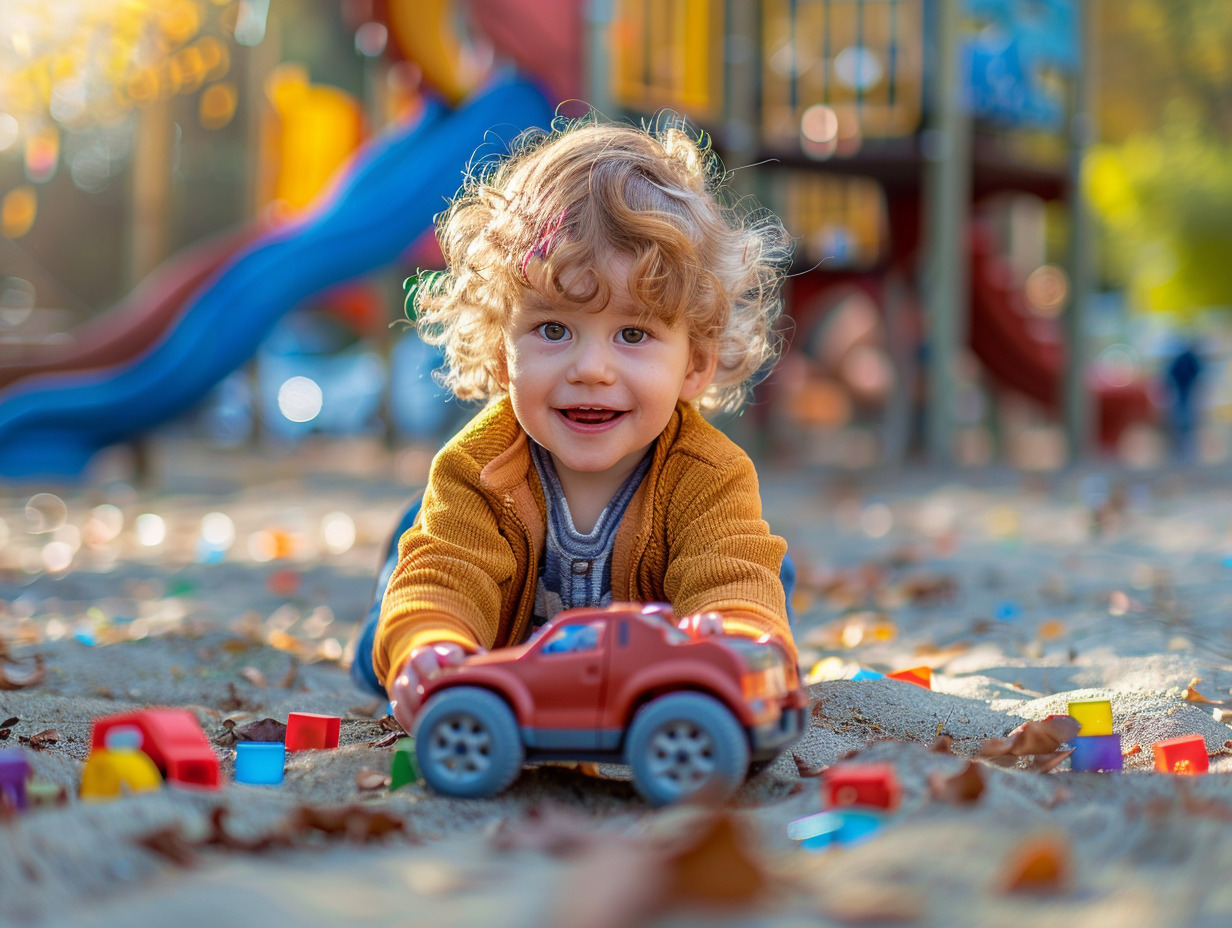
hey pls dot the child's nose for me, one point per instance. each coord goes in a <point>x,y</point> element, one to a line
<point>592,363</point>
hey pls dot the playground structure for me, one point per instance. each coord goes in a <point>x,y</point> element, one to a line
<point>835,94</point>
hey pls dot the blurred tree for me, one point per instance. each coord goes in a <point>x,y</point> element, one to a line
<point>1162,181</point>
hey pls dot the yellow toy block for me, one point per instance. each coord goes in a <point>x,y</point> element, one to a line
<point>1094,715</point>
<point>119,768</point>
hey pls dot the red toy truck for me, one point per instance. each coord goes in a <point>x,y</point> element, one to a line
<point>617,684</point>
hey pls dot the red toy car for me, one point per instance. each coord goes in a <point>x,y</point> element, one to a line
<point>617,684</point>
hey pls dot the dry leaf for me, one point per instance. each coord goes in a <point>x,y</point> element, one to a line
<point>1039,865</point>
<point>371,779</point>
<point>220,836</point>
<point>266,729</point>
<point>1036,737</point>
<point>389,723</point>
<point>352,822</point>
<point>233,700</point>
<point>42,740</point>
<point>942,744</point>
<point>806,769</point>
<point>288,679</point>
<point>547,830</point>
<point>963,787</point>
<point>170,843</point>
<point>716,867</point>
<point>254,676</point>
<point>388,741</point>
<point>1045,763</point>
<point>1132,750</point>
<point>33,678</point>
<point>1192,694</point>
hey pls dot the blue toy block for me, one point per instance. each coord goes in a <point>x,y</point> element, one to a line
<point>260,762</point>
<point>835,826</point>
<point>14,769</point>
<point>1096,752</point>
<point>863,674</point>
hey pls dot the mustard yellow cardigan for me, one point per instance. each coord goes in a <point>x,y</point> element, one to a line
<point>692,536</point>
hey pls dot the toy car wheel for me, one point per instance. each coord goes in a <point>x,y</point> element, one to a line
<point>467,743</point>
<point>686,742</point>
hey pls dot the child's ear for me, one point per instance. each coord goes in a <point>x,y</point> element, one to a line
<point>700,375</point>
<point>499,368</point>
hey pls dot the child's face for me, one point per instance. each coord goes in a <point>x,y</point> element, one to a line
<point>595,388</point>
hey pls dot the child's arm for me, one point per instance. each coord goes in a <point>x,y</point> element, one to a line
<point>724,558</point>
<point>451,565</point>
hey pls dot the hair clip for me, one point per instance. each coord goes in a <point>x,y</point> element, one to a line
<point>547,240</point>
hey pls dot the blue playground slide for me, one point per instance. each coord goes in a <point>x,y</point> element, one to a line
<point>51,426</point>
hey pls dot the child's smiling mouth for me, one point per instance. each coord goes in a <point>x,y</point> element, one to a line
<point>590,415</point>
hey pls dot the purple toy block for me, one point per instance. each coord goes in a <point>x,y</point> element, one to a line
<point>14,768</point>
<point>1096,752</point>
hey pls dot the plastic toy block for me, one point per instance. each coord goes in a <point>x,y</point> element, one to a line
<point>835,826</point>
<point>920,676</point>
<point>1184,755</point>
<point>404,769</point>
<point>260,762</point>
<point>14,769</point>
<point>120,767</point>
<point>307,731</point>
<point>868,785</point>
<point>173,740</point>
<point>44,793</point>
<point>1094,715</point>
<point>1096,752</point>
<point>862,674</point>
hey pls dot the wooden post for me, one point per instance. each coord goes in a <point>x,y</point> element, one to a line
<point>947,203</point>
<point>150,224</point>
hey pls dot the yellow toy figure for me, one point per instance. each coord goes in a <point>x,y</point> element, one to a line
<point>119,768</point>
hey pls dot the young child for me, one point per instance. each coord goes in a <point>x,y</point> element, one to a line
<point>601,296</point>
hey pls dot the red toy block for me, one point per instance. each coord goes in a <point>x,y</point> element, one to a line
<point>307,731</point>
<point>173,739</point>
<point>1184,755</point>
<point>870,785</point>
<point>920,676</point>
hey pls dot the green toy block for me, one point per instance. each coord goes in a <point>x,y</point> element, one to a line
<point>404,769</point>
<point>1094,715</point>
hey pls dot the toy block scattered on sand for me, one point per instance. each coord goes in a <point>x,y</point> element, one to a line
<point>835,826</point>
<point>920,676</point>
<point>120,767</point>
<point>403,769</point>
<point>173,739</point>
<point>865,674</point>
<point>260,762</point>
<point>14,770</point>
<point>1184,755</point>
<point>1097,752</point>
<point>307,731</point>
<point>1094,715</point>
<point>873,786</point>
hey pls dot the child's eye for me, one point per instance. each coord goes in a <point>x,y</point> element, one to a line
<point>553,331</point>
<point>631,335</point>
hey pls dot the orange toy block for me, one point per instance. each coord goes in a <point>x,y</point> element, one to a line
<point>1184,755</point>
<point>920,676</point>
<point>308,731</point>
<point>872,786</point>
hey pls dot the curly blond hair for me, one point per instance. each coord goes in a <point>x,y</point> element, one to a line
<point>580,194</point>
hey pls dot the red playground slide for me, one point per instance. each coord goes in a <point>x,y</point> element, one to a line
<point>136,322</point>
<point>1024,352</point>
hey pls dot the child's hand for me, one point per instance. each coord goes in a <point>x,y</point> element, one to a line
<point>424,663</point>
<point>701,625</point>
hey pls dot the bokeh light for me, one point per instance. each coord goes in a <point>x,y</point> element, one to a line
<point>338,530</point>
<point>104,525</point>
<point>151,529</point>
<point>45,512</point>
<point>300,399</point>
<point>18,210</point>
<point>218,531</point>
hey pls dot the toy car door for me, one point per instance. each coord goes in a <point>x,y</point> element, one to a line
<point>567,679</point>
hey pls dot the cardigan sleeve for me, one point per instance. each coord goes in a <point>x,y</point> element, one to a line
<point>451,566</point>
<point>723,556</point>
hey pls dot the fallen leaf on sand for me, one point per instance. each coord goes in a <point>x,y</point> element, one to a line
<point>942,744</point>
<point>221,836</point>
<point>371,779</point>
<point>21,681</point>
<point>389,723</point>
<point>42,740</point>
<point>266,729</point>
<point>254,676</point>
<point>717,867</point>
<point>170,843</point>
<point>805,769</point>
<point>1036,737</point>
<point>1132,750</point>
<point>1039,865</point>
<point>1044,763</point>
<point>1192,694</point>
<point>966,786</point>
<point>355,823</point>
<point>388,741</point>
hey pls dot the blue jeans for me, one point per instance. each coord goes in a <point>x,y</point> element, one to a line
<point>362,673</point>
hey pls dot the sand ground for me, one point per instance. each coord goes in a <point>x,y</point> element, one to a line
<point>1020,592</point>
